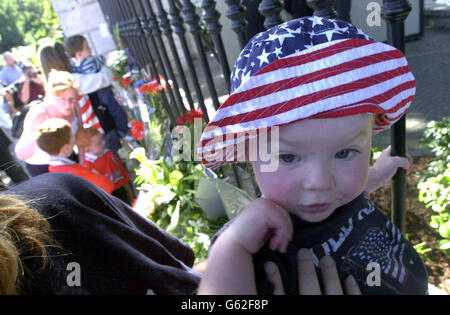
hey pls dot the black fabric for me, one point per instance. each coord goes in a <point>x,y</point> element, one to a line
<point>36,169</point>
<point>39,169</point>
<point>17,122</point>
<point>119,115</point>
<point>354,235</point>
<point>102,112</point>
<point>118,251</point>
<point>8,163</point>
<point>121,194</point>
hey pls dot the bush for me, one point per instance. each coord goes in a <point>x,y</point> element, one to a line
<point>169,188</point>
<point>434,185</point>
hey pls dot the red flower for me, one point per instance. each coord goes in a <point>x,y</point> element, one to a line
<point>137,130</point>
<point>150,87</point>
<point>126,81</point>
<point>116,79</point>
<point>189,117</point>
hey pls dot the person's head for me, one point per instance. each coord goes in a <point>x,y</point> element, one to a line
<point>54,57</point>
<point>61,93</point>
<point>9,59</point>
<point>313,91</point>
<point>29,69</point>
<point>78,47</point>
<point>24,235</point>
<point>322,164</point>
<point>91,141</point>
<point>55,137</point>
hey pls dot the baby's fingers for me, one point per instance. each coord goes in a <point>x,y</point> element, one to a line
<point>273,274</point>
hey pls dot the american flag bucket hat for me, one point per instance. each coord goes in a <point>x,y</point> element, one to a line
<point>302,69</point>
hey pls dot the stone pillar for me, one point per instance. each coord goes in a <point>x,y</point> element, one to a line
<point>84,17</point>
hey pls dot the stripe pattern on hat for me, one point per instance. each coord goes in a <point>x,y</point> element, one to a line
<point>336,78</point>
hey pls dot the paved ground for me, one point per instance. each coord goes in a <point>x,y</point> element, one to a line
<point>429,60</point>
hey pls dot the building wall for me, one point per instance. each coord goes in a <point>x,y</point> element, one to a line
<point>85,17</point>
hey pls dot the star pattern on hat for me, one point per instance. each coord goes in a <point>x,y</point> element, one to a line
<point>286,39</point>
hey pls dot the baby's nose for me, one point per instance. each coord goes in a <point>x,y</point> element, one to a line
<point>318,177</point>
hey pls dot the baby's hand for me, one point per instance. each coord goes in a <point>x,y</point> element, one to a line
<point>384,169</point>
<point>260,221</point>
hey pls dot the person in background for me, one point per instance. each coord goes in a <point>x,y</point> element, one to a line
<point>33,85</point>
<point>55,137</point>
<point>55,57</point>
<point>61,101</point>
<point>104,161</point>
<point>110,113</point>
<point>11,72</point>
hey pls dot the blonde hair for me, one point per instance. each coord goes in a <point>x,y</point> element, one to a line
<point>24,233</point>
<point>84,136</point>
<point>59,81</point>
<point>53,134</point>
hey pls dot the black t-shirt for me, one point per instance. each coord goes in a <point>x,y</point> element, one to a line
<point>355,236</point>
<point>113,249</point>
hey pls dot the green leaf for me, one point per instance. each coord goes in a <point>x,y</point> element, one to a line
<point>175,177</point>
<point>174,218</point>
<point>444,230</point>
<point>444,244</point>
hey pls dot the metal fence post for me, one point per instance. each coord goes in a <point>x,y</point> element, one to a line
<point>323,8</point>
<point>177,24</point>
<point>167,31</point>
<point>192,19</point>
<point>150,28</point>
<point>395,13</point>
<point>211,17</point>
<point>159,45</point>
<point>236,13</point>
<point>271,10</point>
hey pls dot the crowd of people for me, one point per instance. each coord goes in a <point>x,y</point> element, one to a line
<point>314,214</point>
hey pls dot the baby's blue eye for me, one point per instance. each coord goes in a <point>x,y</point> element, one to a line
<point>287,158</point>
<point>343,154</point>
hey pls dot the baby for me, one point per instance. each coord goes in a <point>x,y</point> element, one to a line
<point>98,158</point>
<point>112,116</point>
<point>55,137</point>
<point>316,89</point>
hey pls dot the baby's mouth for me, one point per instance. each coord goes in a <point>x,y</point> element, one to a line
<point>315,208</point>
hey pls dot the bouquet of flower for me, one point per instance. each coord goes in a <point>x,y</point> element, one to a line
<point>123,66</point>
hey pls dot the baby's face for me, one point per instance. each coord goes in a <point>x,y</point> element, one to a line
<point>323,164</point>
<point>97,145</point>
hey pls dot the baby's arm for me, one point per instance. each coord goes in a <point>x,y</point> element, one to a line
<point>384,169</point>
<point>230,267</point>
<point>92,82</point>
<point>91,65</point>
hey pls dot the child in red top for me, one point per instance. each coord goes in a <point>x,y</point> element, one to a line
<point>104,161</point>
<point>55,137</point>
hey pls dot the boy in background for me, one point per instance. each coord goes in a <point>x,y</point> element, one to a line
<point>111,115</point>
<point>55,137</point>
<point>99,159</point>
